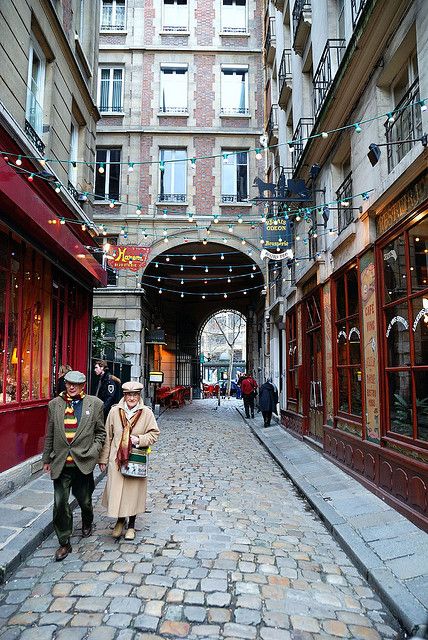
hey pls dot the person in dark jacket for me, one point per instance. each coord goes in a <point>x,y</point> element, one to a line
<point>268,399</point>
<point>108,389</point>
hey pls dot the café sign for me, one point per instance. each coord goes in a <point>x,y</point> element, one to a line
<point>128,257</point>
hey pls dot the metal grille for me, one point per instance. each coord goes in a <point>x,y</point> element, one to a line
<point>326,70</point>
<point>345,214</point>
<point>407,126</point>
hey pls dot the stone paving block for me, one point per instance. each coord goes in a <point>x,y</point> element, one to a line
<point>195,597</point>
<point>232,629</point>
<point>205,630</point>
<point>194,613</point>
<point>103,633</point>
<point>125,605</point>
<point>218,599</point>
<point>219,615</point>
<point>146,622</point>
<point>86,620</point>
<point>247,616</point>
<point>92,604</point>
<point>171,627</point>
<point>118,620</point>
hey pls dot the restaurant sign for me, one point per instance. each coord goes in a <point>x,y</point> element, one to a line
<point>128,257</point>
<point>278,240</point>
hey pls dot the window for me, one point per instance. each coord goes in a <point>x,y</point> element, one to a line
<point>80,19</point>
<point>173,169</point>
<point>234,90</point>
<point>234,179</point>
<point>173,95</point>
<point>74,151</point>
<point>108,333</point>
<point>292,361</point>
<point>35,87</point>
<point>345,211</point>
<point>347,345</point>
<point>107,183</point>
<point>405,332</point>
<point>110,90</point>
<point>112,15</point>
<point>234,16</point>
<point>175,15</point>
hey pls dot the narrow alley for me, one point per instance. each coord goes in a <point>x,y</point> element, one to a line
<point>228,549</point>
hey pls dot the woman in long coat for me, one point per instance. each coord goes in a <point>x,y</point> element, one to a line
<point>129,423</point>
<point>268,399</point>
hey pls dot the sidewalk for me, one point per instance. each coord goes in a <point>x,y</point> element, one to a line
<point>390,551</point>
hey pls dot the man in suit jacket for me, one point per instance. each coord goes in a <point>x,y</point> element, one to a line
<point>75,435</point>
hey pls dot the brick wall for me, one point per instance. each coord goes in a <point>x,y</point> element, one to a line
<point>147,78</point>
<point>203,181</point>
<point>145,184</point>
<point>149,20</point>
<point>205,20</point>
<point>204,91</point>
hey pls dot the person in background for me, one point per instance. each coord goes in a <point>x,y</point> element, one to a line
<point>268,399</point>
<point>249,392</point>
<point>75,435</point>
<point>60,385</point>
<point>108,389</point>
<point>129,424</point>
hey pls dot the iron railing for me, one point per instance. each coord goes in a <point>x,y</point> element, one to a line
<point>234,111</point>
<point>299,7</point>
<point>345,213</point>
<point>116,109</point>
<point>326,70</point>
<point>272,124</point>
<point>73,191</point>
<point>406,126</point>
<point>299,139</point>
<point>270,34</point>
<point>33,136</point>
<point>173,110</point>
<point>357,7</point>
<point>172,197</point>
<point>284,74</point>
<point>230,198</point>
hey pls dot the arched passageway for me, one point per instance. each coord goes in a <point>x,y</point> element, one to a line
<point>187,284</point>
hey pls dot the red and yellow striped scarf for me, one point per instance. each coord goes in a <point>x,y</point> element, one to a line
<point>70,420</point>
<point>125,444</point>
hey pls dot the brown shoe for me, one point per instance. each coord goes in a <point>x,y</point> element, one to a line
<point>86,531</point>
<point>62,552</point>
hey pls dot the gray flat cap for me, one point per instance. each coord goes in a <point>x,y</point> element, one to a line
<point>75,377</point>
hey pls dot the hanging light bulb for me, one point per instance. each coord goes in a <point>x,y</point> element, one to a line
<point>243,241</point>
<point>298,218</point>
<point>225,157</point>
<point>182,295</point>
<point>165,213</point>
<point>263,218</point>
<point>240,219</point>
<point>162,165</point>
<point>62,221</point>
<point>245,293</point>
<point>30,177</point>
<point>206,269</point>
<point>230,269</point>
<point>160,290</point>
<point>215,219</point>
<point>57,187</point>
<point>101,168</point>
<point>166,239</point>
<point>391,118</point>
<point>193,163</point>
<point>190,217</point>
<point>225,295</point>
<point>111,205</point>
<point>324,134</point>
<point>18,161</point>
<point>42,162</point>
<point>159,279</point>
<point>357,127</point>
<point>259,154</point>
<point>193,257</point>
<point>130,167</point>
<point>229,280</point>
<point>203,296</point>
<point>222,256</point>
<point>181,268</point>
<point>156,264</point>
<point>204,241</point>
<point>139,210</point>
<point>182,281</point>
<point>167,259</point>
<point>251,275</point>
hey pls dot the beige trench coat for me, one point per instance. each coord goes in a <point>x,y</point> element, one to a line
<point>123,496</point>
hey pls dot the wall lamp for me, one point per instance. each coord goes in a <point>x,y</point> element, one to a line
<point>374,149</point>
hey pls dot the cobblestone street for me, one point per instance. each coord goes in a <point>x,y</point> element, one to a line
<point>227,549</point>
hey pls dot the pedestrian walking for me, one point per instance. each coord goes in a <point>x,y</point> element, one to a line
<point>60,385</point>
<point>268,399</point>
<point>75,435</point>
<point>108,389</point>
<point>249,392</point>
<point>130,426</point>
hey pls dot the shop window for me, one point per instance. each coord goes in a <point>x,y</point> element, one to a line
<point>173,97</point>
<point>35,87</point>
<point>107,183</point>
<point>172,175</point>
<point>112,15</point>
<point>405,332</point>
<point>234,90</point>
<point>234,176</point>
<point>110,90</point>
<point>175,15</point>
<point>348,344</point>
<point>234,16</point>
<point>108,329</point>
<point>292,361</point>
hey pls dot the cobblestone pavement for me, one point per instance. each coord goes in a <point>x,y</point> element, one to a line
<point>227,550</point>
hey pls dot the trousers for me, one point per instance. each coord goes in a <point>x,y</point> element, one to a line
<point>248,404</point>
<point>82,487</point>
<point>267,417</point>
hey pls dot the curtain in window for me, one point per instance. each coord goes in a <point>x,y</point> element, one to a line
<point>234,91</point>
<point>234,16</point>
<point>173,177</point>
<point>104,89</point>
<point>175,15</point>
<point>174,91</point>
<point>117,90</point>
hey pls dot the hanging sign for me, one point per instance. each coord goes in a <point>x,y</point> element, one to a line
<point>277,236</point>
<point>156,336</point>
<point>128,257</point>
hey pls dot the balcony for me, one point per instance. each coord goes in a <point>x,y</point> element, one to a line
<point>116,110</point>
<point>302,23</point>
<point>285,78</point>
<point>234,111</point>
<point>326,71</point>
<point>171,111</point>
<point>345,212</point>
<point>407,126</point>
<point>32,135</point>
<point>299,139</point>
<point>270,41</point>
<point>272,125</point>
<point>172,197</point>
<point>230,198</point>
<point>357,7</point>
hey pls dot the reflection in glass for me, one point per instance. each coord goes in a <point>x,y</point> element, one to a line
<point>343,390</point>
<point>356,407</point>
<point>352,288</point>
<point>397,336</point>
<point>420,330</point>
<point>421,383</point>
<point>418,247</point>
<point>394,270</point>
<point>400,403</point>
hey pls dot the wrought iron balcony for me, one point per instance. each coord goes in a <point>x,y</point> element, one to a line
<point>272,125</point>
<point>285,78</point>
<point>406,126</point>
<point>234,111</point>
<point>326,71</point>
<point>357,7</point>
<point>73,191</point>
<point>229,198</point>
<point>180,111</point>
<point>33,136</point>
<point>345,212</point>
<point>270,41</point>
<point>299,139</point>
<point>172,197</point>
<point>302,22</point>
<point>117,110</point>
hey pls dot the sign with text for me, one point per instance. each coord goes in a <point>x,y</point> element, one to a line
<point>128,257</point>
<point>156,377</point>
<point>277,236</point>
<point>156,336</point>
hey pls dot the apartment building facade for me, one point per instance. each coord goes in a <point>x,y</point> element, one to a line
<point>182,107</point>
<point>346,83</point>
<point>48,62</point>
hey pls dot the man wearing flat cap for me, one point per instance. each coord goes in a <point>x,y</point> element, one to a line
<point>75,435</point>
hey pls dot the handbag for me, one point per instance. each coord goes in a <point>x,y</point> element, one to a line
<point>137,465</point>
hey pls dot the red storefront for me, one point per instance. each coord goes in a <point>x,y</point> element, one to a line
<point>47,275</point>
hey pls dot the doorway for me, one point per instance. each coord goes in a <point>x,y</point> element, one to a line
<point>314,361</point>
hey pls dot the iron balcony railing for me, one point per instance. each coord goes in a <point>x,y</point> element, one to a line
<point>357,7</point>
<point>272,124</point>
<point>300,6</point>
<point>234,111</point>
<point>326,70</point>
<point>106,109</point>
<point>270,35</point>
<point>284,74</point>
<point>33,136</point>
<point>345,213</point>
<point>299,139</point>
<point>73,191</point>
<point>227,198</point>
<point>172,197</point>
<point>406,125</point>
<point>173,110</point>
<point>113,21</point>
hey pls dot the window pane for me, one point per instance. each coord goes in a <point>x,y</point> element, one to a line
<point>341,344</point>
<point>395,270</point>
<point>114,183</point>
<point>397,335</point>
<point>174,91</point>
<point>420,330</point>
<point>400,405</point>
<point>418,245</point>
<point>352,286</point>
<point>343,390</point>
<point>228,180</point>
<point>421,383</point>
<point>117,90</point>
<point>340,298</point>
<point>234,16</point>
<point>354,344</point>
<point>104,89</point>
<point>355,376</point>
<point>233,98</point>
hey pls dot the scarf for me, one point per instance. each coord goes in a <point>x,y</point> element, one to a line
<point>125,446</point>
<point>70,420</point>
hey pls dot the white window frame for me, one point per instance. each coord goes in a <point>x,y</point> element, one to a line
<point>174,110</point>
<point>184,28</point>
<point>107,172</point>
<point>171,167</point>
<point>113,26</point>
<point>229,111</point>
<point>230,30</point>
<point>112,69</point>
<point>39,98</point>
<point>231,159</point>
<point>74,152</point>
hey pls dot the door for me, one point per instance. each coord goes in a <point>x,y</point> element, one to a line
<point>313,344</point>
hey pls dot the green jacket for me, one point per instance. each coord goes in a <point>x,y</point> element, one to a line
<point>87,442</point>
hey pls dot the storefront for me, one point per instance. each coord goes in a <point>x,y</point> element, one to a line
<point>47,276</point>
